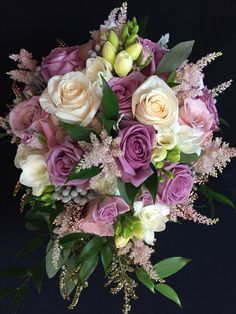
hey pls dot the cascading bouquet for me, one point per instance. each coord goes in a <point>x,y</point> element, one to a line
<point>115,139</point>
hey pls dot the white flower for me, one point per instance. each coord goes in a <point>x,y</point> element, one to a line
<point>153,219</point>
<point>190,139</point>
<point>95,67</point>
<point>34,173</point>
<point>155,103</point>
<point>23,151</point>
<point>72,98</point>
<point>167,139</point>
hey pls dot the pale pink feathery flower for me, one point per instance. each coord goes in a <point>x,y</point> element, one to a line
<point>204,61</point>
<point>221,88</point>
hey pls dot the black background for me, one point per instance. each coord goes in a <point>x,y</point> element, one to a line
<point>208,284</point>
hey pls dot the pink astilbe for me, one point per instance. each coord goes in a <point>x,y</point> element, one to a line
<point>217,154</point>
<point>221,88</point>
<point>204,61</point>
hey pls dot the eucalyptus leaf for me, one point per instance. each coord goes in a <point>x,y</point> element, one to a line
<point>88,268</point>
<point>77,132</point>
<point>144,278</point>
<point>170,266</point>
<point>175,57</point>
<point>106,257</point>
<point>32,245</point>
<point>151,183</point>
<point>168,292</point>
<point>109,102</point>
<point>84,173</point>
<point>15,272</point>
<point>90,249</point>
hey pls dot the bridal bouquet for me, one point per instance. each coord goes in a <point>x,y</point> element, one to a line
<point>115,140</point>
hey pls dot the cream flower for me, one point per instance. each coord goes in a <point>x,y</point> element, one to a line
<point>153,219</point>
<point>155,103</point>
<point>34,173</point>
<point>167,139</point>
<point>72,98</point>
<point>190,139</point>
<point>95,67</point>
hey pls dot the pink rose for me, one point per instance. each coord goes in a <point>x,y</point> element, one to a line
<point>28,120</point>
<point>124,89</point>
<point>100,217</point>
<point>62,60</point>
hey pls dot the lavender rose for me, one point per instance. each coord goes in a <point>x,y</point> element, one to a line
<point>65,59</point>
<point>100,217</point>
<point>136,144</point>
<point>154,50</point>
<point>61,159</point>
<point>124,89</point>
<point>176,191</point>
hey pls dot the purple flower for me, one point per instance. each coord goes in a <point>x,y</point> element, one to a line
<point>146,197</point>
<point>154,50</point>
<point>61,159</point>
<point>100,217</point>
<point>124,89</point>
<point>136,143</point>
<point>65,59</point>
<point>177,190</point>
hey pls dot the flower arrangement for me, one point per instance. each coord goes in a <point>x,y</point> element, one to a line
<point>116,139</point>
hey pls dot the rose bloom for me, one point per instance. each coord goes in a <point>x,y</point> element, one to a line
<point>210,102</point>
<point>155,103</point>
<point>154,50</point>
<point>72,98</point>
<point>65,59</point>
<point>136,143</point>
<point>28,120</point>
<point>95,67</point>
<point>100,217</point>
<point>124,89</point>
<point>177,190</point>
<point>61,160</point>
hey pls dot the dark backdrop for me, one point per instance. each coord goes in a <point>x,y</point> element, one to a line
<point>208,284</point>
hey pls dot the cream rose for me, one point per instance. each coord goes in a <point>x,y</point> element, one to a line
<point>95,67</point>
<point>155,103</point>
<point>34,173</point>
<point>153,219</point>
<point>72,98</point>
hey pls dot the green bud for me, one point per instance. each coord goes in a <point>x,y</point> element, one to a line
<point>131,40</point>
<point>49,189</point>
<point>168,173</point>
<point>134,50</point>
<point>45,197</point>
<point>125,33</point>
<point>126,232</point>
<point>118,227</point>
<point>120,241</point>
<point>123,63</point>
<point>135,29</point>
<point>130,25</point>
<point>159,164</point>
<point>134,20</point>
<point>161,179</point>
<point>109,52</point>
<point>159,153</point>
<point>173,155</point>
<point>113,39</point>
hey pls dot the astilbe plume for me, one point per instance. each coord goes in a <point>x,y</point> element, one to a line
<point>217,154</point>
<point>204,61</point>
<point>221,88</point>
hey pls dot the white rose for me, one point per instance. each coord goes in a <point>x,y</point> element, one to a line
<point>72,98</point>
<point>34,173</point>
<point>190,139</point>
<point>167,139</point>
<point>95,67</point>
<point>155,103</point>
<point>153,219</point>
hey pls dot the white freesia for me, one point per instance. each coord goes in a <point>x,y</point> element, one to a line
<point>153,219</point>
<point>95,67</point>
<point>167,139</point>
<point>72,98</point>
<point>155,103</point>
<point>34,173</point>
<point>190,139</point>
<point>23,151</point>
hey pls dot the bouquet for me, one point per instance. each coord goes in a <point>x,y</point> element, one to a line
<point>115,140</point>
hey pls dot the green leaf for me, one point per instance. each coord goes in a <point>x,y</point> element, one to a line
<point>32,245</point>
<point>171,77</point>
<point>109,102</point>
<point>50,268</point>
<point>225,123</point>
<point>84,173</point>
<point>168,292</point>
<point>212,195</point>
<point>188,158</point>
<point>170,266</point>
<point>38,223</point>
<point>152,183</point>
<point>38,276</point>
<point>128,191</point>
<point>90,249</point>
<point>77,132</point>
<point>15,272</point>
<point>144,278</point>
<point>106,257</point>
<point>5,291</point>
<point>20,294</point>
<point>69,278</point>
<point>69,240</point>
<point>108,124</point>
<point>88,268</point>
<point>3,135</point>
<point>175,57</point>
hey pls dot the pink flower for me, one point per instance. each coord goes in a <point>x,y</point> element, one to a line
<point>124,89</point>
<point>28,120</point>
<point>65,59</point>
<point>100,217</point>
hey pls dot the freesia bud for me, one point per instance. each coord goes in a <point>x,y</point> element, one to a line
<point>125,33</point>
<point>174,155</point>
<point>134,50</point>
<point>113,38</point>
<point>120,241</point>
<point>131,40</point>
<point>159,153</point>
<point>123,63</point>
<point>109,52</point>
